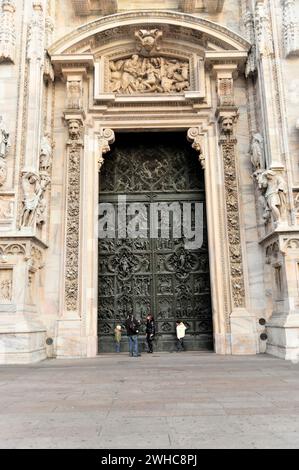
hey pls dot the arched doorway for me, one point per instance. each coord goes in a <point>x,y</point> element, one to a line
<point>154,270</point>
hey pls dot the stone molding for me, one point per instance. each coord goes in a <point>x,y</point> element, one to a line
<point>232,40</point>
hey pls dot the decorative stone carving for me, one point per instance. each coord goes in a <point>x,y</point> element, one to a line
<point>34,187</point>
<point>290,28</point>
<point>75,145</point>
<point>74,94</point>
<point>148,40</point>
<point>228,142</point>
<point>88,7</point>
<point>5,285</point>
<point>188,6</point>
<point>225,90</point>
<point>274,189</point>
<point>149,75</point>
<point>257,152</point>
<point>4,145</point>
<point>107,137</point>
<point>251,65</point>
<point>226,123</point>
<point>48,67</point>
<point>7,31</point>
<point>263,29</point>
<point>195,137</point>
<point>74,127</point>
<point>6,208</point>
<point>36,34</point>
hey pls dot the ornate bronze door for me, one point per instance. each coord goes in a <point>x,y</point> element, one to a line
<point>147,275</point>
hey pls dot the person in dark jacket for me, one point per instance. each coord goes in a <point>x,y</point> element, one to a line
<point>132,327</point>
<point>150,332</point>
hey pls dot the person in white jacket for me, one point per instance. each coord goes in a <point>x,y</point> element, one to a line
<point>180,334</point>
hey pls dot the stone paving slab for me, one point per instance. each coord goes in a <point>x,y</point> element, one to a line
<point>188,400</point>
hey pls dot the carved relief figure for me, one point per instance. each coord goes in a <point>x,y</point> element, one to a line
<point>5,285</point>
<point>274,189</point>
<point>149,75</point>
<point>148,40</point>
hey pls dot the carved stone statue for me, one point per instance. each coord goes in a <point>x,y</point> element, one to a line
<point>257,152</point>
<point>148,75</point>
<point>4,139</point>
<point>45,153</point>
<point>274,189</point>
<point>4,145</point>
<point>34,187</point>
<point>148,40</point>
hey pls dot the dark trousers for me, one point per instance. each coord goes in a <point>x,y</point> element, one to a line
<point>180,344</point>
<point>149,341</point>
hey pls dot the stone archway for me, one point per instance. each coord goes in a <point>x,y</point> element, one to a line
<point>208,115</point>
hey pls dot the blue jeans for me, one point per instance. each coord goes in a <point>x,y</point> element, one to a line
<point>133,345</point>
<point>117,347</point>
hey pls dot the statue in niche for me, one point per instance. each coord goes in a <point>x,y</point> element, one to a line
<point>149,75</point>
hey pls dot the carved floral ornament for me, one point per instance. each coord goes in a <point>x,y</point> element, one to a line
<point>195,136</point>
<point>107,137</point>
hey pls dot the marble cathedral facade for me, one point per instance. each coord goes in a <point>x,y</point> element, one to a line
<point>75,77</point>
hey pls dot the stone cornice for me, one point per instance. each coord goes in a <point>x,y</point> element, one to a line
<point>229,38</point>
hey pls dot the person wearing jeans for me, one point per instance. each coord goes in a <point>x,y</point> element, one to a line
<point>132,326</point>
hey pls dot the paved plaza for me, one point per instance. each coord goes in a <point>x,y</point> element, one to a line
<point>186,400</point>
